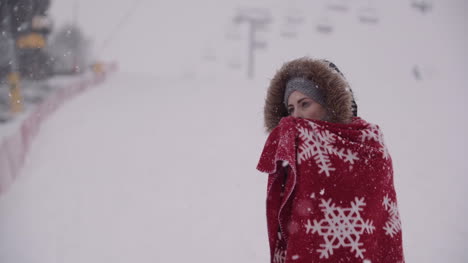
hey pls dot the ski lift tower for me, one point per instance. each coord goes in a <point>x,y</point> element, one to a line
<point>257,20</point>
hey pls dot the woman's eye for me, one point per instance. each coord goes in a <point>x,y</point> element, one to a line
<point>305,104</point>
<point>290,110</point>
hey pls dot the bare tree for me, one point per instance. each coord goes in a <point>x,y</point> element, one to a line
<point>69,50</point>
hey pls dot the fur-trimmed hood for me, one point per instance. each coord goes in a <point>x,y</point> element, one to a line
<point>339,100</point>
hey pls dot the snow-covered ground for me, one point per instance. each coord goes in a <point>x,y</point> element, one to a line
<point>137,179</point>
<point>159,165</point>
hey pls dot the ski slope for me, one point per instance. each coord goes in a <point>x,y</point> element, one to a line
<point>159,165</point>
<point>134,171</point>
<point>134,178</point>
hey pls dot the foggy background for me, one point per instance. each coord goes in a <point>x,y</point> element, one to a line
<point>157,164</point>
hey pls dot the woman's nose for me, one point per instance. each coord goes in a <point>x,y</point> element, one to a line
<point>296,114</point>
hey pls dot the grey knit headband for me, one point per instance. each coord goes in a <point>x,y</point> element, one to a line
<point>305,86</point>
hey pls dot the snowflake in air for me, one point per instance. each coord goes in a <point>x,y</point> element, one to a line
<point>393,225</point>
<point>374,133</point>
<point>341,227</point>
<point>319,144</point>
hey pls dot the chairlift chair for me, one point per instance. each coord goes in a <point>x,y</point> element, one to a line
<point>422,5</point>
<point>368,19</point>
<point>295,20</point>
<point>368,16</point>
<point>324,27</point>
<point>288,33</point>
<point>290,26</point>
<point>257,15</point>
<point>338,6</point>
<point>260,45</point>
<point>209,55</point>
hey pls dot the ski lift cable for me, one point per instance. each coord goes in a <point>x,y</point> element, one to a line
<point>125,19</point>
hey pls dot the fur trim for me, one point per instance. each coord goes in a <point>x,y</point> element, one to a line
<point>336,89</point>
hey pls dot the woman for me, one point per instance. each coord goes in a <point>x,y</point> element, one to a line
<point>330,194</point>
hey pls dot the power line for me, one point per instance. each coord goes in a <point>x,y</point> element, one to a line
<point>119,25</point>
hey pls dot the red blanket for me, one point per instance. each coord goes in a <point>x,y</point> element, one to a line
<point>330,195</point>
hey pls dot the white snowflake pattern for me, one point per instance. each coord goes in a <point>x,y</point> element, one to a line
<point>374,133</point>
<point>319,145</point>
<point>393,225</point>
<point>280,254</point>
<point>341,227</point>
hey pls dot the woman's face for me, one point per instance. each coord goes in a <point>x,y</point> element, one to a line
<point>301,106</point>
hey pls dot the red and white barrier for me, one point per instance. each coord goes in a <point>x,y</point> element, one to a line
<point>14,147</point>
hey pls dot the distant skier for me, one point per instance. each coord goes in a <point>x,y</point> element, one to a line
<point>331,196</point>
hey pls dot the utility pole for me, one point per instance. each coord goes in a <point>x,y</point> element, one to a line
<point>257,20</point>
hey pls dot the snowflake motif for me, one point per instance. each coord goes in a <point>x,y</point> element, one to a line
<point>375,134</point>
<point>319,145</point>
<point>341,227</point>
<point>280,254</point>
<point>393,225</point>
